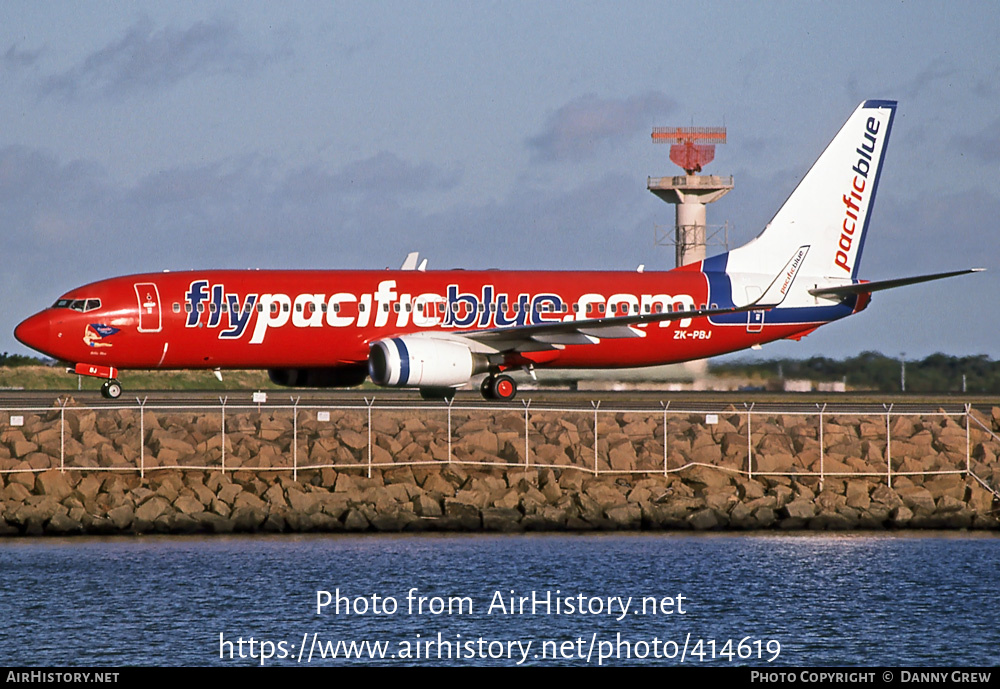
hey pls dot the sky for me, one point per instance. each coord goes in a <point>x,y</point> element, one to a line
<point>140,136</point>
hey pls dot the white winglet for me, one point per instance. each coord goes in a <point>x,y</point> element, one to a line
<point>411,261</point>
<point>781,284</point>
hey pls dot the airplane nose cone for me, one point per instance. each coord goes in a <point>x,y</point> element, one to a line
<point>34,332</point>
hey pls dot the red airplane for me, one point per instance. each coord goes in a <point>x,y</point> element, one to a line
<point>435,330</point>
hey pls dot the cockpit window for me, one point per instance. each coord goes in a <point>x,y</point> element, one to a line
<point>81,305</point>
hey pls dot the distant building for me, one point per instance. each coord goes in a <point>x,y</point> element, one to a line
<point>794,385</point>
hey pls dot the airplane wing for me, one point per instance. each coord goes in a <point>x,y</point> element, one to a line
<point>842,291</point>
<point>555,334</point>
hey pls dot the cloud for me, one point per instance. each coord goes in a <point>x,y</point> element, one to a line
<point>17,59</point>
<point>145,59</point>
<point>383,174</point>
<point>44,202</point>
<point>984,146</point>
<point>577,129</point>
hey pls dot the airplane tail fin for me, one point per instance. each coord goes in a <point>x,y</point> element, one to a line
<point>830,208</point>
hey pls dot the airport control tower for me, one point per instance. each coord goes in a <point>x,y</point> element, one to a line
<point>692,148</point>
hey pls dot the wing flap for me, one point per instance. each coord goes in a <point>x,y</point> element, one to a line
<point>570,338</point>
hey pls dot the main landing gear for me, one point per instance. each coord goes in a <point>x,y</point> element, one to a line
<point>500,387</point>
<point>111,389</point>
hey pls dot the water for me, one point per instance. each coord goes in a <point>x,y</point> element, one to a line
<point>898,600</point>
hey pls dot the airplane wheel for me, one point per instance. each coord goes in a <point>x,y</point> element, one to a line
<point>503,388</point>
<point>111,389</point>
<point>486,389</point>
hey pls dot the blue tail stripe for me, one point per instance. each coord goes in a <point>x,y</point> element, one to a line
<point>720,286</point>
<point>891,105</point>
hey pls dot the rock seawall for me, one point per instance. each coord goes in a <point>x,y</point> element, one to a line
<point>86,471</point>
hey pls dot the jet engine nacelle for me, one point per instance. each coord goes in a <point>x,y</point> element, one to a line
<point>422,362</point>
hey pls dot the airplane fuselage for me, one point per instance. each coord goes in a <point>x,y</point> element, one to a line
<point>303,319</point>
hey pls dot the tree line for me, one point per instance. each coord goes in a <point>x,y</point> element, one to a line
<point>875,371</point>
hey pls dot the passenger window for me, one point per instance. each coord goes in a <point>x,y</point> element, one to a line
<point>201,307</point>
<point>395,307</point>
<point>336,307</point>
<point>284,307</point>
<point>361,307</point>
<point>177,307</point>
<point>600,307</point>
<point>187,308</point>
<point>212,307</point>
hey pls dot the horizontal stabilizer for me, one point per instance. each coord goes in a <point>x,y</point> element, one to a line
<point>868,287</point>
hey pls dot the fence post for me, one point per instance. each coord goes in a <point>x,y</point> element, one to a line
<point>369,402</point>
<point>222,401</point>
<point>526,403</point>
<point>888,446</point>
<point>596,406</point>
<point>749,441</point>
<point>665,407</point>
<point>62,434</point>
<point>822,454</point>
<point>295,437</point>
<point>968,441</point>
<point>449,401</point>
<point>142,436</point>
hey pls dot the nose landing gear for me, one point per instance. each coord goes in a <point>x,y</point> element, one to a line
<point>111,389</point>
